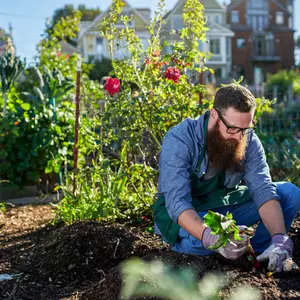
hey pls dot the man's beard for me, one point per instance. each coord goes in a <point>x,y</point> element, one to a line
<point>225,154</point>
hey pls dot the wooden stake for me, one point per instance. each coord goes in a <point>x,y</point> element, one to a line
<point>77,114</point>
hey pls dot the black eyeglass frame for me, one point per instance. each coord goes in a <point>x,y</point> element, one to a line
<point>238,129</point>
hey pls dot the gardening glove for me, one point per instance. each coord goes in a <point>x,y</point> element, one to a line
<point>279,254</point>
<point>232,250</point>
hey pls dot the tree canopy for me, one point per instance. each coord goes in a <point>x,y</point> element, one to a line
<point>88,14</point>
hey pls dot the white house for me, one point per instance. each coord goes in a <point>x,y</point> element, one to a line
<point>92,45</point>
<point>219,36</point>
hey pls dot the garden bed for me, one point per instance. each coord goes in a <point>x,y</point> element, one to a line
<point>82,261</point>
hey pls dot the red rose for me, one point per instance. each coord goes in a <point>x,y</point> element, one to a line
<point>173,74</point>
<point>112,86</point>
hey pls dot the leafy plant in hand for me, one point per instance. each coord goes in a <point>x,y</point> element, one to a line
<point>225,227</point>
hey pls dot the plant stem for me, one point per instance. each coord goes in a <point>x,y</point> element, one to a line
<point>251,253</point>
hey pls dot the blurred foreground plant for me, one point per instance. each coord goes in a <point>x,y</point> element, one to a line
<point>158,280</point>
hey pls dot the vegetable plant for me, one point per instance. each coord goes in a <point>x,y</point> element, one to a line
<point>11,67</point>
<point>227,230</point>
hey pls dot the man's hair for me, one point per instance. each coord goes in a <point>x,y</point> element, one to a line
<point>235,96</point>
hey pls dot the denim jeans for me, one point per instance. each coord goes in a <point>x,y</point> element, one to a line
<point>247,214</point>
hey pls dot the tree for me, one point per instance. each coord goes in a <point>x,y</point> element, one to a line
<point>298,42</point>
<point>88,14</point>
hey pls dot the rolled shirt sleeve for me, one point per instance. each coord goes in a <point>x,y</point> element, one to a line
<point>257,174</point>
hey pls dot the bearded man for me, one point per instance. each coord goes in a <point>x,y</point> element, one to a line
<point>217,163</point>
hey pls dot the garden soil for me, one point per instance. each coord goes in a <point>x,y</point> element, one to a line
<point>82,261</point>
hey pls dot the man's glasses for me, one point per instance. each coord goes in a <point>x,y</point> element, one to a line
<point>234,130</point>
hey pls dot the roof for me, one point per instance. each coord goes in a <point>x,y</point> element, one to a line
<point>208,4</point>
<point>235,3</point>
<point>145,12</point>
<point>84,24</point>
<point>211,4</point>
<point>219,29</point>
<point>68,48</point>
<point>101,15</point>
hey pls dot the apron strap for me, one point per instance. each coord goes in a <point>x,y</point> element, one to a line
<point>202,152</point>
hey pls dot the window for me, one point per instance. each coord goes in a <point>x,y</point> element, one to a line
<point>235,16</point>
<point>217,19</point>
<point>214,46</point>
<point>290,22</point>
<point>201,46</point>
<point>240,43</point>
<point>99,48</point>
<point>260,47</point>
<point>256,3</point>
<point>99,40</point>
<point>258,22</point>
<point>218,72</point>
<point>228,41</point>
<point>177,22</point>
<point>279,17</point>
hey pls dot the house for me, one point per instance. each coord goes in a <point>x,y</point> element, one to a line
<point>219,36</point>
<point>263,41</point>
<point>93,46</point>
<point>68,48</point>
<point>6,42</point>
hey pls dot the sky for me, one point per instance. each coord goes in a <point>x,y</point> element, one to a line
<point>28,18</point>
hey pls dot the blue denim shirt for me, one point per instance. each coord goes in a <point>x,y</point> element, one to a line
<point>179,157</point>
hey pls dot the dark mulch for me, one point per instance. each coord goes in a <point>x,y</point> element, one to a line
<point>82,261</point>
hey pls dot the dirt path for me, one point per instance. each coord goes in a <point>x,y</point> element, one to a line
<point>81,261</point>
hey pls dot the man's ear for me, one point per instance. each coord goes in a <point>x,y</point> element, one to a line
<point>213,114</point>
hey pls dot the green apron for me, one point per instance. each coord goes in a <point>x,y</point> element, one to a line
<point>206,195</point>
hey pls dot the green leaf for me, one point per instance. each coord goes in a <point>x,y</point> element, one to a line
<point>229,216</point>
<point>25,106</point>
<point>58,129</point>
<point>48,169</point>
<point>213,221</point>
<point>224,226</point>
<point>236,236</point>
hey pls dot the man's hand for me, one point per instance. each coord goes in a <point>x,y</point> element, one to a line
<point>279,254</point>
<point>232,250</point>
